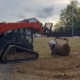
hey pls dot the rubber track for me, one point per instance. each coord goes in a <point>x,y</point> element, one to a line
<point>3,57</point>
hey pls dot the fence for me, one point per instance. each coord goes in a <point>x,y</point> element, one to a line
<point>65,33</point>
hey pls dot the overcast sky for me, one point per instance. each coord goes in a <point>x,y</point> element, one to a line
<point>43,10</point>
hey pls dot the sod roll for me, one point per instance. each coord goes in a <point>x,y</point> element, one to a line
<point>62,49</point>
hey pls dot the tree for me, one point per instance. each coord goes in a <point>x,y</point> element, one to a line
<point>71,11</point>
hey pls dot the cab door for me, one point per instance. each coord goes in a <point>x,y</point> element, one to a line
<point>24,36</point>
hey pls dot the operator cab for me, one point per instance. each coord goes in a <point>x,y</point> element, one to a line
<point>21,35</point>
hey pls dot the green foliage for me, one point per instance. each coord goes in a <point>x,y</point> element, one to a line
<point>66,17</point>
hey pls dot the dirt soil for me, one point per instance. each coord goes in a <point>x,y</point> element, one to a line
<point>56,68</point>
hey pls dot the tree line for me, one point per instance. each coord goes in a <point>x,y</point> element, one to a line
<point>70,16</point>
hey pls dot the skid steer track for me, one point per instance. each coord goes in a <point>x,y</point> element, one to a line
<point>12,55</point>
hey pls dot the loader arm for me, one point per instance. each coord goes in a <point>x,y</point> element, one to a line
<point>4,27</point>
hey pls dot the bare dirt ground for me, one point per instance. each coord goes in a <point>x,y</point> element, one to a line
<point>56,68</point>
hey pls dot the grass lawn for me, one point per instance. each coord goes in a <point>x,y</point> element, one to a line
<point>41,45</point>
